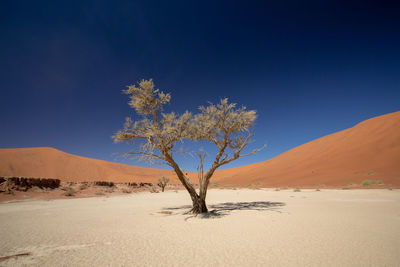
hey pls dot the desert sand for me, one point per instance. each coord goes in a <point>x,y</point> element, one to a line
<point>368,151</point>
<point>247,228</point>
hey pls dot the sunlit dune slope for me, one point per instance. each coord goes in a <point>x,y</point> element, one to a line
<point>48,162</point>
<point>369,150</point>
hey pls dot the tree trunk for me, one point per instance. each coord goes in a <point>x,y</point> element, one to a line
<point>199,205</point>
<point>199,201</point>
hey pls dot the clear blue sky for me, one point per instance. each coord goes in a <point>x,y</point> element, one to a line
<point>310,68</point>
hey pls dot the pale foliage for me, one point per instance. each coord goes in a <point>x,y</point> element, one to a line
<point>152,132</point>
<point>226,126</point>
<point>145,99</point>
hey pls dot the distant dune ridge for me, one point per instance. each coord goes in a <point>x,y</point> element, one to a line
<point>47,162</point>
<point>369,150</point>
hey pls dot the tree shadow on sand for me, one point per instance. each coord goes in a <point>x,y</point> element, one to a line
<point>223,209</point>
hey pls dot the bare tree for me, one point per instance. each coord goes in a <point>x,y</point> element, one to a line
<point>157,133</point>
<point>162,182</point>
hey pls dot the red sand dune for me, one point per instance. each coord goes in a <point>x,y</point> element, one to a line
<point>46,162</point>
<point>369,150</point>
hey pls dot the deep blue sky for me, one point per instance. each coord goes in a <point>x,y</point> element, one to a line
<point>310,68</point>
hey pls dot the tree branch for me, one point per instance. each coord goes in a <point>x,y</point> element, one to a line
<point>148,154</point>
<point>236,156</point>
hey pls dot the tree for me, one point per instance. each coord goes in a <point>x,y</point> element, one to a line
<point>228,127</point>
<point>162,182</point>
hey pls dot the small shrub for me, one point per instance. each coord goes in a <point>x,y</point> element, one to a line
<point>126,191</point>
<point>317,189</point>
<point>277,189</point>
<point>104,183</point>
<point>69,192</point>
<point>296,190</point>
<point>99,193</point>
<point>153,190</point>
<point>215,184</point>
<point>83,187</point>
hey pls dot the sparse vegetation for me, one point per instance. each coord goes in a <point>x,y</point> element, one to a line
<point>297,190</point>
<point>371,182</point>
<point>23,184</point>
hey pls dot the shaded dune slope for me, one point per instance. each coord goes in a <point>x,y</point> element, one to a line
<point>369,150</point>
